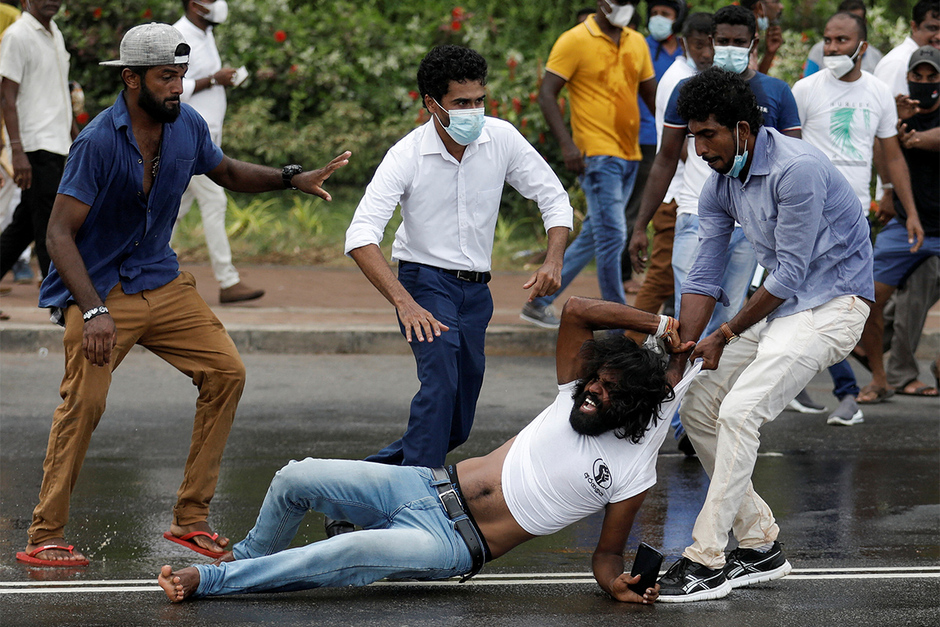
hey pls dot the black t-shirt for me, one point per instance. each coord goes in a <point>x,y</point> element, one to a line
<point>924,166</point>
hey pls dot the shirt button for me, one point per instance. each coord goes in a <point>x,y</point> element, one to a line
<point>136,243</point>
<point>140,161</point>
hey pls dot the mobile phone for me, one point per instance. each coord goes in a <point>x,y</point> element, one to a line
<point>647,563</point>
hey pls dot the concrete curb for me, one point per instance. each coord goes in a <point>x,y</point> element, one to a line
<point>366,340</point>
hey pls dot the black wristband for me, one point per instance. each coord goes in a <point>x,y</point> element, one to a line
<point>289,172</point>
<point>94,312</point>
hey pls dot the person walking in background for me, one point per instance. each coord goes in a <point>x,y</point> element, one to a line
<point>767,13</point>
<point>846,113</point>
<point>204,90</point>
<point>37,112</point>
<point>605,66</point>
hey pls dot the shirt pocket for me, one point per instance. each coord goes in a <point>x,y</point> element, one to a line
<point>179,177</point>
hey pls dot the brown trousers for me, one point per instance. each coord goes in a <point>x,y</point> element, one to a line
<point>176,324</point>
<point>658,285</point>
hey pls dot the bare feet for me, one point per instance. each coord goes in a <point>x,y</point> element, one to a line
<point>228,557</point>
<point>179,585</point>
<point>58,555</point>
<point>203,541</point>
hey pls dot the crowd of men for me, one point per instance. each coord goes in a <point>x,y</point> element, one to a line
<point>741,177</point>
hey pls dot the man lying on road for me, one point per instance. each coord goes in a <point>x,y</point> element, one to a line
<point>595,447</point>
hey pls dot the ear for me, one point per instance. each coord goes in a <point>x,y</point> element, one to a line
<point>131,80</point>
<point>862,50</point>
<point>744,131</point>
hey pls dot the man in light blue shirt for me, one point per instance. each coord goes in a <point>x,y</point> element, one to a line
<point>808,229</point>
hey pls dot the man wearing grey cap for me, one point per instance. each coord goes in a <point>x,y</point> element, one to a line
<point>115,282</point>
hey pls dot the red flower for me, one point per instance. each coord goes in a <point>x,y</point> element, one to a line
<point>533,97</point>
<point>512,63</point>
<point>541,138</point>
<point>293,69</point>
<point>96,13</point>
<point>455,25</point>
<point>805,38</point>
<point>457,13</point>
<point>517,105</point>
<point>82,118</point>
<point>413,94</point>
<point>494,109</point>
<point>280,36</point>
<point>147,13</point>
<point>524,123</point>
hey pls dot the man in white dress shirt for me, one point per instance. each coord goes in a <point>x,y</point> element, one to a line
<point>448,177</point>
<point>925,31</point>
<point>204,90</point>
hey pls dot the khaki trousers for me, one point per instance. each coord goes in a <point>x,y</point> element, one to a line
<point>757,376</point>
<point>174,323</point>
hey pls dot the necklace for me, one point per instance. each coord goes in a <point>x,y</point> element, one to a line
<point>154,166</point>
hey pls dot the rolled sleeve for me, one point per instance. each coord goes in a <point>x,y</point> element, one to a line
<point>801,193</point>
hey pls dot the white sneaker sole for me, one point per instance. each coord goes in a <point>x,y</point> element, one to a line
<point>770,575</point>
<point>839,421</point>
<point>704,595</point>
<point>796,405</point>
<point>538,323</point>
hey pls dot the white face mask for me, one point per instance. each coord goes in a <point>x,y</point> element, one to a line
<point>841,64</point>
<point>217,11</point>
<point>620,14</point>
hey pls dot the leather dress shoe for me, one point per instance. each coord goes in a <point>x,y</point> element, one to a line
<point>336,527</point>
<point>239,293</point>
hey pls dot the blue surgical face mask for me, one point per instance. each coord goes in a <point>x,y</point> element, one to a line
<point>732,58</point>
<point>660,27</point>
<point>739,160</point>
<point>465,124</point>
<point>763,23</point>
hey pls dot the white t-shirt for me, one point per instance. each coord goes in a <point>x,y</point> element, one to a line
<point>843,119</point>
<point>204,60</point>
<point>892,69</point>
<point>36,59</point>
<point>553,477</point>
<point>678,71</point>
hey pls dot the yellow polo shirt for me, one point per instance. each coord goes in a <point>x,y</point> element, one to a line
<point>602,80</point>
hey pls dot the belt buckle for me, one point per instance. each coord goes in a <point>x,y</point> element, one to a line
<point>456,500</point>
<point>465,275</point>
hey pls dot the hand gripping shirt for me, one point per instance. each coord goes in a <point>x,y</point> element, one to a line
<point>553,477</point>
<point>126,236</point>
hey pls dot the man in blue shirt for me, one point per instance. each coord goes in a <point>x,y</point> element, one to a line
<point>808,229</point>
<point>115,282</point>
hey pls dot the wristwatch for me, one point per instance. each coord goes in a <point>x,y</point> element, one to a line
<point>289,172</point>
<point>212,81</point>
<point>730,336</point>
<point>94,312</point>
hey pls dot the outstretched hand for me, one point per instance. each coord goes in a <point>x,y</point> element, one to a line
<point>311,182</point>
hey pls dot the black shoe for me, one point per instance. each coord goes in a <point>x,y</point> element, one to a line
<point>687,581</point>
<point>747,566</point>
<point>336,527</point>
<point>685,445</point>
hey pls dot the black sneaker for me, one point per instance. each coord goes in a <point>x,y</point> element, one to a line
<point>747,566</point>
<point>687,581</point>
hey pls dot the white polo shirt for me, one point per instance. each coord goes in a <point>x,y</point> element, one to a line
<point>36,59</point>
<point>449,207</point>
<point>204,60</point>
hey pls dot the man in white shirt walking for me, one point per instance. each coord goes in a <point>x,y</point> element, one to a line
<point>37,111</point>
<point>846,112</point>
<point>448,177</point>
<point>204,90</point>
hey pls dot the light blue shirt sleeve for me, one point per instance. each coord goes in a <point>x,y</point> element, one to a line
<point>716,226</point>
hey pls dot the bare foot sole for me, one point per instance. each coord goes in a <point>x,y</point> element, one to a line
<point>179,585</point>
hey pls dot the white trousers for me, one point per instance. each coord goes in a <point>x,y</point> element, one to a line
<point>212,204</point>
<point>756,378</point>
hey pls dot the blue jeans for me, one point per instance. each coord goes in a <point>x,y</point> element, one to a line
<point>740,267</point>
<point>450,368</point>
<point>406,533</point>
<point>607,183</point>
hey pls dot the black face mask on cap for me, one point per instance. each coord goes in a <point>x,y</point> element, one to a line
<point>925,93</point>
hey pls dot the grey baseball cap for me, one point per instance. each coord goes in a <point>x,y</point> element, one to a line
<point>925,54</point>
<point>151,44</point>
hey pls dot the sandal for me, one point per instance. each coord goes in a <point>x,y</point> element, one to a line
<point>880,395</point>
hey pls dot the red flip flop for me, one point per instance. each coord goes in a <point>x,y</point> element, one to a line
<point>30,558</point>
<point>192,546</point>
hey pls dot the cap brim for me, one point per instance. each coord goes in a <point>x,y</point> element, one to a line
<point>116,63</point>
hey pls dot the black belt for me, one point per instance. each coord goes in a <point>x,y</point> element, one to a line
<point>452,500</point>
<point>470,276</point>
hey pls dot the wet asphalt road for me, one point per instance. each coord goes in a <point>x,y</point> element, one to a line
<point>858,507</point>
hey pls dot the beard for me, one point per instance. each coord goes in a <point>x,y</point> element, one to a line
<point>164,112</point>
<point>601,421</point>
